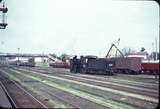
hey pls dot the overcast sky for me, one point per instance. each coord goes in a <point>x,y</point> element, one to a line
<point>79,26</point>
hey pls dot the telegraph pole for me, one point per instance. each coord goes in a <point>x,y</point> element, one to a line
<point>18,54</point>
<point>156,47</point>
<point>152,51</point>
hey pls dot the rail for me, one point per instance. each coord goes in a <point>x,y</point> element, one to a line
<point>10,96</point>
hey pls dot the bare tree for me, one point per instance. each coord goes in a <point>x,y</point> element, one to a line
<point>153,55</point>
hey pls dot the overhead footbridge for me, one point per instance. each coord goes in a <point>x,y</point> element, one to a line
<point>22,55</point>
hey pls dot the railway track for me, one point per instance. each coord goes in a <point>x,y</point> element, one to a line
<point>123,81</point>
<point>135,79</point>
<point>57,80</point>
<point>18,96</point>
<point>133,87</point>
<point>95,86</point>
<point>126,88</point>
<point>61,98</point>
<point>142,91</point>
<point>83,90</point>
<point>69,99</point>
<point>11,101</point>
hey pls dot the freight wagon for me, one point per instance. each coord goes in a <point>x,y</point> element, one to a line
<point>150,67</point>
<point>30,63</point>
<point>59,65</point>
<point>129,65</point>
<point>25,62</point>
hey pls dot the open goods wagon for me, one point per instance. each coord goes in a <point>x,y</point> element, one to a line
<point>60,65</point>
<point>129,65</point>
<point>150,67</point>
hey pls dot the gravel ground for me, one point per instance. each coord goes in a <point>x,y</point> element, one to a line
<point>146,87</point>
<point>80,93</point>
<point>138,78</point>
<point>64,97</point>
<point>114,79</point>
<point>19,96</point>
<point>151,89</point>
